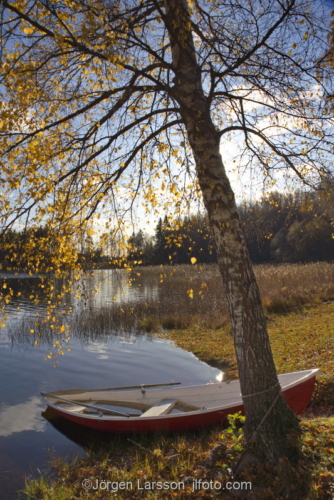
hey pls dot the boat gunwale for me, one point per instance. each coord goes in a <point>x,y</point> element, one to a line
<point>307,375</point>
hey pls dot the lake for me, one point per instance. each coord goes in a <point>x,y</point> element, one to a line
<point>27,438</point>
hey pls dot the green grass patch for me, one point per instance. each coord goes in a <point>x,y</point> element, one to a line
<point>300,340</point>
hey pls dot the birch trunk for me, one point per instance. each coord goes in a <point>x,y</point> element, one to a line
<point>257,371</point>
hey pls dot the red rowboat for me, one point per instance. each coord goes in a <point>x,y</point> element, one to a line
<point>149,409</point>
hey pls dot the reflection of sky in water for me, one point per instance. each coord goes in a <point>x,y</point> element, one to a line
<point>113,286</point>
<point>101,288</point>
<point>101,349</point>
<point>4,339</point>
<point>22,417</point>
<point>125,344</point>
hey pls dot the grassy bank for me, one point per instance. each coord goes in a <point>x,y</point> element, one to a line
<point>300,340</point>
<point>302,336</point>
<point>181,462</point>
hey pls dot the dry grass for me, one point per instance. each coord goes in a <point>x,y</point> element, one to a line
<point>284,288</point>
<point>289,287</point>
<point>193,296</point>
<point>180,297</point>
<point>180,459</point>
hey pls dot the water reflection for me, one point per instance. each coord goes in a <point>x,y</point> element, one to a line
<point>22,417</point>
<point>100,349</point>
<point>102,354</point>
<point>78,434</point>
<point>115,300</point>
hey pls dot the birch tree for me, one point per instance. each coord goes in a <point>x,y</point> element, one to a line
<point>105,98</point>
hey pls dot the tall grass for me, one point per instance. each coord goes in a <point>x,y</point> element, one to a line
<point>289,287</point>
<point>283,288</point>
<point>177,297</point>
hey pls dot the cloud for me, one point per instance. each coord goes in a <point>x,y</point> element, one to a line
<point>22,417</point>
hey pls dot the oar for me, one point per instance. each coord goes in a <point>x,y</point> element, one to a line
<point>98,408</point>
<point>142,386</point>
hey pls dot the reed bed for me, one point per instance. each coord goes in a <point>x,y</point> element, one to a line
<point>290,287</point>
<point>193,296</point>
<point>179,297</point>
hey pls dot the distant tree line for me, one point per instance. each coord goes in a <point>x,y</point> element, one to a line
<point>19,248</point>
<point>174,242</point>
<point>290,227</point>
<point>280,227</point>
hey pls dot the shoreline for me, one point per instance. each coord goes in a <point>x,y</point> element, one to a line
<point>165,460</point>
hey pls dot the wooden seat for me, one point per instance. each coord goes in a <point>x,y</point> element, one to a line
<point>162,408</point>
<point>74,409</point>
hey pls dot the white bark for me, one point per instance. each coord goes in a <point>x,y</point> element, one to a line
<point>255,361</point>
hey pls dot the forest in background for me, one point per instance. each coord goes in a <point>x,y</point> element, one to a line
<point>280,227</point>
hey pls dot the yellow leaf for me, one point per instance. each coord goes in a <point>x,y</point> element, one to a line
<point>193,260</point>
<point>28,30</point>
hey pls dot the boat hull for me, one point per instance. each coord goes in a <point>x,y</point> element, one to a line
<point>297,396</point>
